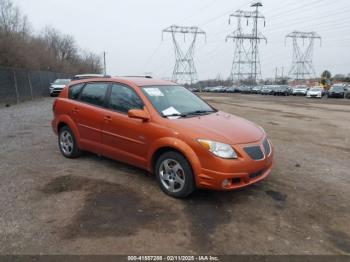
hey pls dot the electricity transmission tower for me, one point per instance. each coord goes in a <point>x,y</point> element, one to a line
<point>302,66</point>
<point>246,62</point>
<point>184,69</point>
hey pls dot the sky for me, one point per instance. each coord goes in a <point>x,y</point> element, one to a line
<point>130,32</point>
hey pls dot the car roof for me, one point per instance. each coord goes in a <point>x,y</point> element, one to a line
<point>139,81</point>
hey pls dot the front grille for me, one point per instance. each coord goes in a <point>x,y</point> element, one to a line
<point>267,147</point>
<point>254,152</point>
<point>256,175</point>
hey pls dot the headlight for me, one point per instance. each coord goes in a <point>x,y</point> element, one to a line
<point>219,149</point>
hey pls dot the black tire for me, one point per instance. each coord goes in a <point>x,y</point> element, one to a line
<point>189,184</point>
<point>71,151</point>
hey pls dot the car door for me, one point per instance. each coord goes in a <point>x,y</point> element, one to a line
<point>124,138</point>
<point>88,112</point>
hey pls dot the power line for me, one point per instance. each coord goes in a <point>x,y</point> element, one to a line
<point>282,25</point>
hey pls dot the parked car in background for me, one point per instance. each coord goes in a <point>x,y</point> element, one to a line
<point>347,92</point>
<point>316,92</point>
<point>238,89</point>
<point>256,90</point>
<point>57,86</point>
<point>194,89</point>
<point>267,90</point>
<point>206,89</point>
<point>231,89</point>
<point>281,91</point>
<point>163,128</point>
<point>218,89</point>
<point>246,89</point>
<point>300,91</point>
<point>336,92</point>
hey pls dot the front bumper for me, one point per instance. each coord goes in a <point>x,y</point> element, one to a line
<point>235,174</point>
<point>314,96</point>
<point>55,91</point>
<point>336,95</point>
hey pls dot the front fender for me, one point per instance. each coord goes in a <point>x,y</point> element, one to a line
<point>70,123</point>
<point>178,145</point>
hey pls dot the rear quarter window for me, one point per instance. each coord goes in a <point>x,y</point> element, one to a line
<point>74,91</point>
<point>94,93</point>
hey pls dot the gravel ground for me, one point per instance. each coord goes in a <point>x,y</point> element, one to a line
<point>92,205</point>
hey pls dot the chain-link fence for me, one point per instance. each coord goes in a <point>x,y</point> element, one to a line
<point>18,85</point>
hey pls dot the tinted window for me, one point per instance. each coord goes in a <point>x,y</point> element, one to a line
<point>94,93</point>
<point>124,99</point>
<point>74,91</point>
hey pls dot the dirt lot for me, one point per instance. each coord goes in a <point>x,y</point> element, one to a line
<point>92,205</point>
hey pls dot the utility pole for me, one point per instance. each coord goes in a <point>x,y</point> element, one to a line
<point>184,69</point>
<point>302,65</point>
<point>246,63</point>
<point>104,63</point>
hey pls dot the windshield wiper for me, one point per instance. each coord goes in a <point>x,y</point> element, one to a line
<point>194,113</point>
<point>175,115</point>
<point>200,112</point>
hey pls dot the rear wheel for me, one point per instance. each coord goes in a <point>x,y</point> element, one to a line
<point>67,143</point>
<point>174,175</point>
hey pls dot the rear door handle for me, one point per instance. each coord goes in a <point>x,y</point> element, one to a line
<point>108,119</point>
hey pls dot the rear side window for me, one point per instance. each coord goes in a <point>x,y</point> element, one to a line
<point>74,91</point>
<point>124,99</point>
<point>94,93</point>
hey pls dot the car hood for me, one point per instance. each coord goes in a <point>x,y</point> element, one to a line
<point>314,92</point>
<point>220,127</point>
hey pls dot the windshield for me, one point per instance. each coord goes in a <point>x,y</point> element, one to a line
<point>176,101</point>
<point>337,88</point>
<point>315,89</point>
<point>62,81</point>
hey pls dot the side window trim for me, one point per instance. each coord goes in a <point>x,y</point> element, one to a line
<point>105,99</point>
<point>109,92</point>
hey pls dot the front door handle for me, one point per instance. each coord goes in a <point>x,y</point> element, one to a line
<point>75,110</point>
<point>108,119</point>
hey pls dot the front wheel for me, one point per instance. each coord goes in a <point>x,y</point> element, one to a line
<point>175,175</point>
<point>67,143</point>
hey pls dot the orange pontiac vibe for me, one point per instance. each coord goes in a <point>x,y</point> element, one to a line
<point>163,128</point>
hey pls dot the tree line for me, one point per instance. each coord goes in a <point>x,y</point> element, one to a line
<point>50,50</point>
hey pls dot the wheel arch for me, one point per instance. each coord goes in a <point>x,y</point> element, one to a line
<point>65,120</point>
<point>172,144</point>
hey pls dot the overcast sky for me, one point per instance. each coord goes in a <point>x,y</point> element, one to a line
<point>130,31</point>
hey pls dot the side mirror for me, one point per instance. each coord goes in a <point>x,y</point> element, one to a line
<point>139,114</point>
